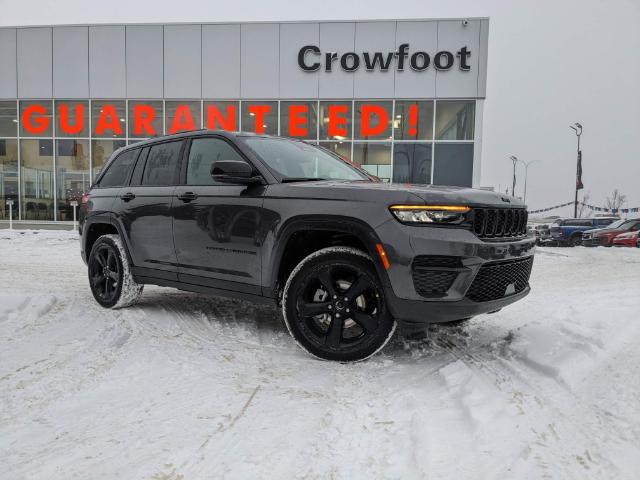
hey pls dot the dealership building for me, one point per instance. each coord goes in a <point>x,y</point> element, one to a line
<point>401,98</point>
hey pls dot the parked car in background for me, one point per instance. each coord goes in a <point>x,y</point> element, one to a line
<point>605,236</point>
<point>628,239</point>
<point>542,233</point>
<point>568,231</point>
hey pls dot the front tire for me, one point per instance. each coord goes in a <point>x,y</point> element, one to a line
<point>334,306</point>
<point>110,277</point>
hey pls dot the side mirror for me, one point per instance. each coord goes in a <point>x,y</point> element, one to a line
<point>234,171</point>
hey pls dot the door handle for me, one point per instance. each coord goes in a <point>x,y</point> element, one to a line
<point>127,196</point>
<point>187,196</point>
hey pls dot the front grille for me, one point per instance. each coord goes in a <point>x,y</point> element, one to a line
<point>500,279</point>
<point>433,275</point>
<point>499,222</point>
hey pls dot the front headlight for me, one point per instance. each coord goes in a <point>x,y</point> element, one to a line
<point>435,214</point>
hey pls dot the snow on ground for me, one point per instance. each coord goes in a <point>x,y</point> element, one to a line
<point>184,386</point>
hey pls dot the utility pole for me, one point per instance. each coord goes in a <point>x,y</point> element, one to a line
<point>514,159</point>
<point>578,129</point>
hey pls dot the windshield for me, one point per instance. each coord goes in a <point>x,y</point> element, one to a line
<point>616,224</point>
<point>300,161</point>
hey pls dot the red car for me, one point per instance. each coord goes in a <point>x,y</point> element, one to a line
<point>629,239</point>
<point>605,236</point>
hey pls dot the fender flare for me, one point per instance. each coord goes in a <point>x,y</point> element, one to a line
<point>339,223</point>
<point>106,218</point>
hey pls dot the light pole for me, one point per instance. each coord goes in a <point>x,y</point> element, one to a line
<point>578,129</point>
<point>514,159</point>
<point>526,173</point>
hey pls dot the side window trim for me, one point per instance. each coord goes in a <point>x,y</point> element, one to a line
<point>183,170</point>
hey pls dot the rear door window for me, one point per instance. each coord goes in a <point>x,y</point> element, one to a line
<point>162,164</point>
<point>118,171</point>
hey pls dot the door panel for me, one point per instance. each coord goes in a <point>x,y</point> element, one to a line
<point>147,221</point>
<point>146,209</point>
<point>217,226</point>
<point>217,235</point>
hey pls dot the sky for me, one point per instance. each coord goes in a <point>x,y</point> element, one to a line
<point>551,63</point>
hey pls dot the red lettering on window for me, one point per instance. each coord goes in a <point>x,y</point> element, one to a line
<point>143,116</point>
<point>413,120</point>
<point>298,122</point>
<point>78,125</point>
<point>37,124</point>
<point>367,128</point>
<point>259,111</point>
<point>183,120</point>
<point>216,120</point>
<point>338,120</point>
<point>108,120</point>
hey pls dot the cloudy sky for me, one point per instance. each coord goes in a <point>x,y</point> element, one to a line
<point>551,63</point>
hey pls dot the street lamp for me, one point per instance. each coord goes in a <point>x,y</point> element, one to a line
<point>576,127</point>
<point>514,159</point>
<point>526,173</point>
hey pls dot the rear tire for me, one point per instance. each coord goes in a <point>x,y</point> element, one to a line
<point>575,241</point>
<point>334,306</point>
<point>110,277</point>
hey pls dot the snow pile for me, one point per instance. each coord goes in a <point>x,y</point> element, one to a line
<point>187,386</point>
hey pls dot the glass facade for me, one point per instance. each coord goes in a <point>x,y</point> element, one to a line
<point>51,150</point>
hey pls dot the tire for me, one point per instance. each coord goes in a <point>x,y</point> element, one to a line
<point>338,327</point>
<point>575,241</point>
<point>109,273</point>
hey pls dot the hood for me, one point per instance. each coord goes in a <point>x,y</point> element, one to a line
<point>429,194</point>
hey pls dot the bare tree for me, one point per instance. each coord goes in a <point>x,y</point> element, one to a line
<point>616,200</point>
<point>582,209</point>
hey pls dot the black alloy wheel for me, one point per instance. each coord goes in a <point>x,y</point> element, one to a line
<point>105,274</point>
<point>335,306</point>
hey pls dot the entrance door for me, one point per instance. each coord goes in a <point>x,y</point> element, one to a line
<point>145,210</point>
<point>216,226</point>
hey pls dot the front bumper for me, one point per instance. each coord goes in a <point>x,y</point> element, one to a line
<point>404,243</point>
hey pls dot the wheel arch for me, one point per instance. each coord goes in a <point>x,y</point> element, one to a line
<point>335,228</point>
<point>99,225</point>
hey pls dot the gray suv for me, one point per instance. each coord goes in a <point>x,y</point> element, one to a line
<point>275,220</point>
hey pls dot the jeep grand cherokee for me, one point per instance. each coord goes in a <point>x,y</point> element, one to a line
<point>268,219</point>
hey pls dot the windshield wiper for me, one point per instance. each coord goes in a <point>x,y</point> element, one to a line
<point>301,179</point>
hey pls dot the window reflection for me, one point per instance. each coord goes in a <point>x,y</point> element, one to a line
<point>101,150</point>
<point>222,115</point>
<point>260,117</point>
<point>335,121</point>
<point>299,120</point>
<point>145,118</point>
<point>453,164</point>
<point>36,175</point>
<point>413,120</point>
<point>72,174</point>
<point>36,118</point>
<point>8,119</point>
<point>375,158</point>
<point>8,177</point>
<point>181,116</point>
<point>455,120</point>
<point>72,118</point>
<point>108,119</point>
<point>373,120</point>
<point>412,162</point>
